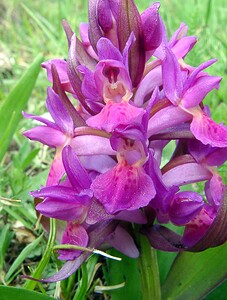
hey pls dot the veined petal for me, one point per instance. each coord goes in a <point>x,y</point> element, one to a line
<point>74,234</point>
<point>123,187</point>
<point>180,33</point>
<point>201,87</point>
<point>63,203</point>
<point>77,175</point>
<point>58,112</point>
<point>183,46</point>
<point>121,240</point>
<point>163,119</point>
<point>147,85</point>
<point>106,50</point>
<point>207,131</point>
<point>41,119</point>
<point>185,174</point>
<point>114,114</point>
<point>172,78</point>
<point>185,207</point>
<point>214,190</point>
<point>151,27</point>
<point>88,87</point>
<point>61,66</point>
<point>196,72</point>
<point>57,170</point>
<point>98,163</point>
<point>197,228</point>
<point>46,135</point>
<point>91,145</point>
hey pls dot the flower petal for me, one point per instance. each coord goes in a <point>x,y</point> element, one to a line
<point>172,77</point>
<point>74,234</point>
<point>121,240</point>
<point>208,132</point>
<point>62,203</point>
<point>46,135</point>
<point>123,187</point>
<point>77,175</point>
<point>184,207</point>
<point>114,114</point>
<point>58,112</point>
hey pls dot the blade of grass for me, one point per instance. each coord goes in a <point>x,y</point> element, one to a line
<point>10,111</point>
<point>22,256</point>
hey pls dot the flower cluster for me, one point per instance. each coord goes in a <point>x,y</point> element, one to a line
<point>135,94</point>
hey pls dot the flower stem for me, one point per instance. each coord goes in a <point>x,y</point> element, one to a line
<point>149,271</point>
<point>30,285</point>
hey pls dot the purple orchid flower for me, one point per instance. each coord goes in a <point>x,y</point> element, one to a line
<point>109,171</point>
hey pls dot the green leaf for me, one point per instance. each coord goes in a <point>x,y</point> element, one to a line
<point>5,238</point>
<point>126,271</point>
<point>20,294</point>
<point>22,256</point>
<point>83,284</point>
<point>195,275</point>
<point>10,111</point>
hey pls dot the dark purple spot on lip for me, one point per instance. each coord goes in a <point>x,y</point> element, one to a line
<point>111,73</point>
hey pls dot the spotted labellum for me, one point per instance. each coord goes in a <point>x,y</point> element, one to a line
<point>135,94</point>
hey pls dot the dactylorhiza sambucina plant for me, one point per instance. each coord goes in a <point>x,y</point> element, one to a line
<point>135,94</point>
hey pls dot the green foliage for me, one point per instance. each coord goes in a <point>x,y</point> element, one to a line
<point>10,111</point>
<point>20,294</point>
<point>194,275</point>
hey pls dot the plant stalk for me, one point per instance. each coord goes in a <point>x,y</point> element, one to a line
<point>149,270</point>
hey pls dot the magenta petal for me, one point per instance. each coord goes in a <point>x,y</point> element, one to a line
<point>172,78</point>
<point>197,228</point>
<point>74,234</point>
<point>197,72</point>
<point>46,135</point>
<point>77,175</point>
<point>183,46</point>
<point>151,27</point>
<point>163,119</point>
<point>123,187</point>
<point>61,66</point>
<point>91,145</point>
<point>88,84</point>
<point>185,174</point>
<point>121,240</point>
<point>114,114</point>
<point>58,112</point>
<point>56,172</point>
<point>40,119</point>
<point>62,203</point>
<point>215,190</point>
<point>201,87</point>
<point>106,50</point>
<point>208,132</point>
<point>147,85</point>
<point>184,207</point>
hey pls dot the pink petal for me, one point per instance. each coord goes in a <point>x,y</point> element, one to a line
<point>197,228</point>
<point>123,187</point>
<point>74,234</point>
<point>207,131</point>
<point>114,114</point>
<point>121,240</point>
<point>46,135</point>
